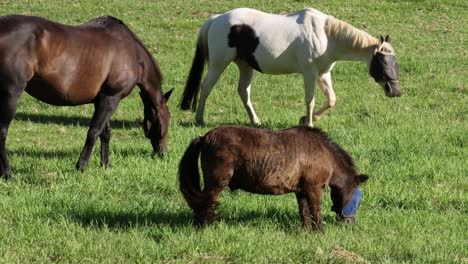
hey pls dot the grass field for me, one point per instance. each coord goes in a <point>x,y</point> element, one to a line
<point>414,148</point>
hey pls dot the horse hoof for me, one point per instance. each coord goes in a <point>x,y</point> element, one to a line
<point>80,167</point>
<point>302,122</point>
<point>8,177</point>
<point>199,122</point>
<point>106,165</point>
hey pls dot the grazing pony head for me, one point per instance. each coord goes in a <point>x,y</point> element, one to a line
<point>156,122</point>
<point>384,68</point>
<point>345,181</point>
<point>342,195</point>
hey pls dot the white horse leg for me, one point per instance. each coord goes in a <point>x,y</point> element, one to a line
<point>245,79</point>
<point>210,80</point>
<point>310,78</point>
<point>325,83</point>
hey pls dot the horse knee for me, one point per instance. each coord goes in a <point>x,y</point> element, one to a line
<point>92,136</point>
<point>3,134</point>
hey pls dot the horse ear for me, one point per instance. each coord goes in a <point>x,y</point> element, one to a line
<point>362,178</point>
<point>387,38</point>
<point>381,39</point>
<point>168,94</point>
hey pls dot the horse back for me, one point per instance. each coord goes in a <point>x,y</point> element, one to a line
<point>268,162</point>
<point>271,43</point>
<point>67,65</point>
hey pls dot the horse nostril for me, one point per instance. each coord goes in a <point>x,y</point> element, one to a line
<point>395,93</point>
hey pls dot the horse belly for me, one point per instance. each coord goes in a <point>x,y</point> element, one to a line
<point>277,184</point>
<point>277,56</point>
<point>264,182</point>
<point>50,94</point>
<point>283,64</point>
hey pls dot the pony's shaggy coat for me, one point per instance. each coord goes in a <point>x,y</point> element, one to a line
<point>302,160</point>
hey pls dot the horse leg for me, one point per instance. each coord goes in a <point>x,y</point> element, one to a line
<point>309,86</point>
<point>105,138</point>
<point>303,209</point>
<point>314,199</point>
<point>217,173</point>
<point>325,83</point>
<point>243,88</point>
<point>206,214</point>
<point>212,76</point>
<point>104,107</point>
<point>9,97</point>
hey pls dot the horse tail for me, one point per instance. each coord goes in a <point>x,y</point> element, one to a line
<point>189,176</point>
<point>192,87</point>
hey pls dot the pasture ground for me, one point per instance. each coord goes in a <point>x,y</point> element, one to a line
<point>414,148</point>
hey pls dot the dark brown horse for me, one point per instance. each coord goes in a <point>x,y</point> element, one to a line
<point>98,62</point>
<point>302,160</point>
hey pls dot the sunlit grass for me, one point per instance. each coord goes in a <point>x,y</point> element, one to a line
<point>414,148</point>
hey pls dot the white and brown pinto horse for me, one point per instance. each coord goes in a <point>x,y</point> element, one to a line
<point>307,42</point>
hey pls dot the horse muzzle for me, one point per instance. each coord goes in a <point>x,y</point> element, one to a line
<point>392,88</point>
<point>348,213</point>
<point>345,219</point>
<point>162,153</point>
<point>159,149</point>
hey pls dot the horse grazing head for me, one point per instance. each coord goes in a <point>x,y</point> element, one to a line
<point>347,198</point>
<point>384,68</point>
<point>156,122</point>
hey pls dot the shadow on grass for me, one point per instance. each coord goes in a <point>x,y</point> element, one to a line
<point>73,120</point>
<point>75,152</point>
<point>285,221</point>
<point>211,125</point>
<point>43,153</point>
<point>126,220</point>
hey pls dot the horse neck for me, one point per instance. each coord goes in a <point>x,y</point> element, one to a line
<point>343,181</point>
<point>153,96</point>
<point>151,78</point>
<point>348,42</point>
<point>344,169</point>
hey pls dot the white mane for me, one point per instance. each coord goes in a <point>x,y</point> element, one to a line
<point>348,35</point>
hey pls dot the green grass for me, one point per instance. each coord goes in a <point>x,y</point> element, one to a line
<point>415,149</point>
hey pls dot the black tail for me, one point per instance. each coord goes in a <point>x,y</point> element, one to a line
<point>189,176</point>
<point>193,82</point>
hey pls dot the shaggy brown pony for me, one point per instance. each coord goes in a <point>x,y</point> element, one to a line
<point>302,160</point>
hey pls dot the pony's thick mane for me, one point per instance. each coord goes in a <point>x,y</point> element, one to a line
<point>348,35</point>
<point>348,160</point>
